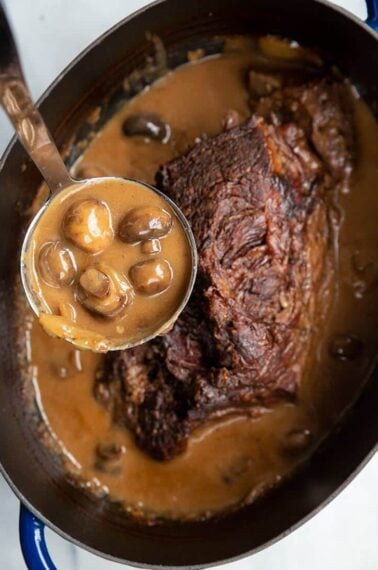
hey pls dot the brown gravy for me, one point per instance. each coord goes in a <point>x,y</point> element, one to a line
<point>234,460</point>
<point>136,293</point>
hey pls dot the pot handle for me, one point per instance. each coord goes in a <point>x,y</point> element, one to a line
<point>372,9</point>
<point>33,542</point>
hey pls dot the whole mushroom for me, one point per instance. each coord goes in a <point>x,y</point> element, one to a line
<point>88,224</point>
<point>145,223</point>
<point>56,264</point>
<point>152,276</point>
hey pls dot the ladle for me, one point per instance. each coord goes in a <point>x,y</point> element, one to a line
<point>39,145</point>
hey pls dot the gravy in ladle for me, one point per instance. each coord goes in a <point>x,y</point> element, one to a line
<point>111,264</point>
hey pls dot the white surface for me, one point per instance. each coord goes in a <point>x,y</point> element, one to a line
<point>344,535</point>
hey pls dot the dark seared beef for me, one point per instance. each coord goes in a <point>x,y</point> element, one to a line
<point>254,198</point>
<point>322,109</point>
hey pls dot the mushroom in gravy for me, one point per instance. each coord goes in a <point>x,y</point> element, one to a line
<point>116,253</point>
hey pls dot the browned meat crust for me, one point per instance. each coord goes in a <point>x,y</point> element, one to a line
<point>254,197</point>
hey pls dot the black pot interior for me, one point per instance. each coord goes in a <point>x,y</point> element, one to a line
<point>30,468</point>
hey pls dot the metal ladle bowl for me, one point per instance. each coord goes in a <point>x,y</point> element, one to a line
<point>39,145</point>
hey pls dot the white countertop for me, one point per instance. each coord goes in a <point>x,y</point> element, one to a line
<point>344,535</point>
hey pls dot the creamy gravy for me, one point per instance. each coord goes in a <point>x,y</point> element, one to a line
<point>136,293</point>
<point>234,460</point>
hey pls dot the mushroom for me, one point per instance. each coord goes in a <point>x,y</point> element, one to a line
<point>109,457</point>
<point>56,264</point>
<point>95,282</point>
<point>297,441</point>
<point>88,224</point>
<point>151,277</point>
<point>102,290</point>
<point>144,223</point>
<point>346,347</point>
<point>151,246</point>
<point>147,125</point>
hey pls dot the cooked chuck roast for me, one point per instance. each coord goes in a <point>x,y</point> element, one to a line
<point>322,110</point>
<point>255,196</point>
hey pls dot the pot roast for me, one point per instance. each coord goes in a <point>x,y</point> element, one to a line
<point>257,198</point>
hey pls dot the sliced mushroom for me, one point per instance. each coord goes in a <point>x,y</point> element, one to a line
<point>102,290</point>
<point>95,282</point>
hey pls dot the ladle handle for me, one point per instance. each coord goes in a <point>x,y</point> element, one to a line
<point>25,117</point>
